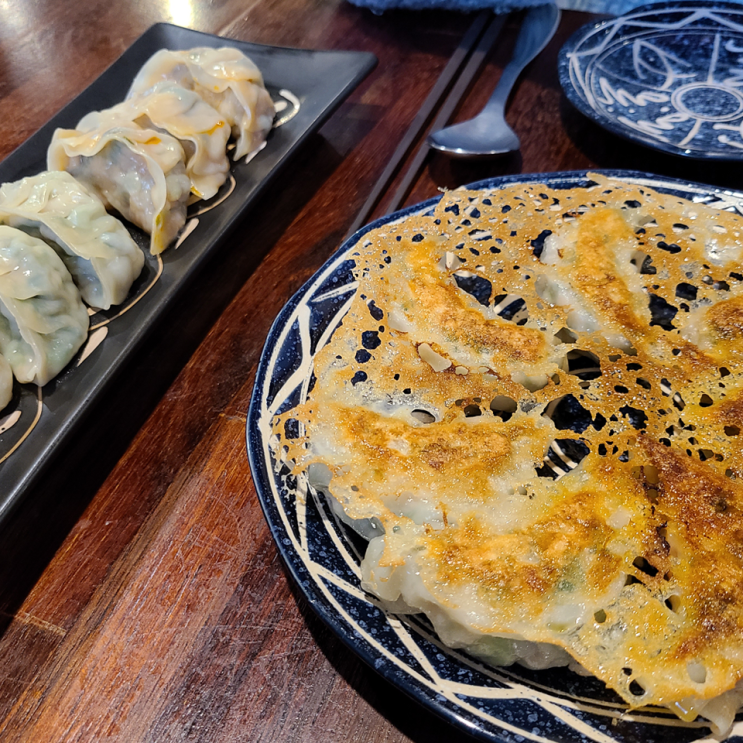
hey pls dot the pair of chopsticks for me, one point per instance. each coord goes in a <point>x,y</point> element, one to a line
<point>452,84</point>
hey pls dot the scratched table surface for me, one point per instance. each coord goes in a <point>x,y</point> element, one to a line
<point>141,595</point>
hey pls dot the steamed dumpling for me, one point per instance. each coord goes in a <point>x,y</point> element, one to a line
<point>96,247</point>
<point>201,131</point>
<point>6,383</point>
<point>139,172</point>
<point>226,79</point>
<point>43,322</point>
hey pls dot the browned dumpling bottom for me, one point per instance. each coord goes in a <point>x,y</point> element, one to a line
<point>536,401</point>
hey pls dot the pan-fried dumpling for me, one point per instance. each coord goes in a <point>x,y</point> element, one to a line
<point>43,322</point>
<point>201,131</point>
<point>6,382</point>
<point>139,172</point>
<point>96,247</point>
<point>226,79</point>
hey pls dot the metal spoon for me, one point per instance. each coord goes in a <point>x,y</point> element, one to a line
<point>488,133</point>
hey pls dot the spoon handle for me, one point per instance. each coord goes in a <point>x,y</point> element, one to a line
<point>538,27</point>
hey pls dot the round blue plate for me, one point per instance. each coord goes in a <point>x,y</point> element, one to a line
<point>667,75</point>
<point>507,705</point>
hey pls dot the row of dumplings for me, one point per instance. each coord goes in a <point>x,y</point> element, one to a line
<point>147,158</point>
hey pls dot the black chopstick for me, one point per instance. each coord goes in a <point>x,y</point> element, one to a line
<point>458,58</point>
<point>444,114</point>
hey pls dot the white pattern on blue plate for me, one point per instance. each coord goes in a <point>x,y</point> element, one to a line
<point>668,75</point>
<point>503,705</point>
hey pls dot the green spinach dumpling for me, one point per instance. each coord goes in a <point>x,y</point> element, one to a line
<point>95,246</point>
<point>43,321</point>
<point>6,383</point>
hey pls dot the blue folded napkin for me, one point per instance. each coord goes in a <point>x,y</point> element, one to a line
<point>498,6</point>
<point>613,7</point>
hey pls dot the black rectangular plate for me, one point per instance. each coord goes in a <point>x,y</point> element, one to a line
<point>320,80</point>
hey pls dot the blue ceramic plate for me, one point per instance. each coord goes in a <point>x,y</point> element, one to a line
<point>668,75</point>
<point>323,555</point>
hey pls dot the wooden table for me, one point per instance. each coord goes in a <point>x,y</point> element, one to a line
<point>141,595</point>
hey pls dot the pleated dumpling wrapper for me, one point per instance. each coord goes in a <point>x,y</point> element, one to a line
<point>226,79</point>
<point>139,172</point>
<point>6,382</point>
<point>96,247</point>
<point>43,321</point>
<point>200,129</point>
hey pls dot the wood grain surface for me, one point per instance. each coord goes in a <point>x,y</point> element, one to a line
<point>141,595</point>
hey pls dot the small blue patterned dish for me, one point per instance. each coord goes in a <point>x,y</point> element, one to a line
<point>667,75</point>
<point>499,705</point>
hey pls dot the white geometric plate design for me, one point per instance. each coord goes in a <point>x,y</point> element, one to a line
<point>323,555</point>
<point>669,75</point>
